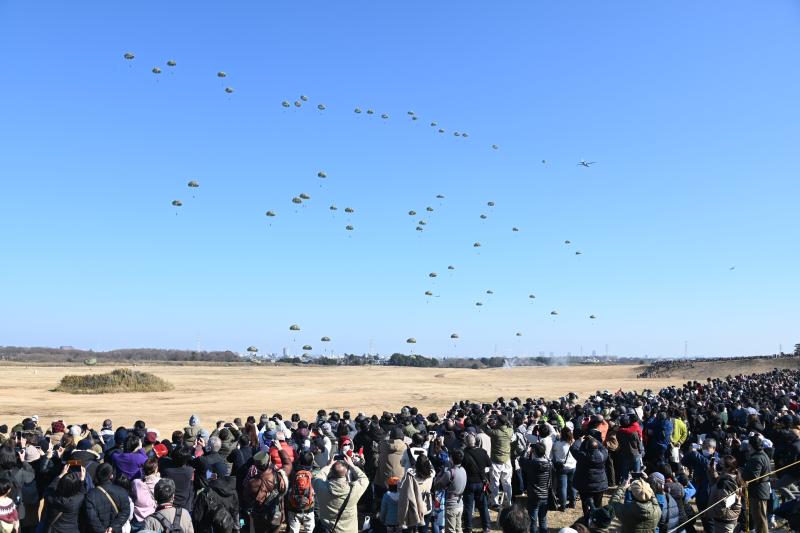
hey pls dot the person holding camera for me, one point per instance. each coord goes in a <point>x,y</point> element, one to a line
<point>640,512</point>
<point>538,472</point>
<point>500,433</point>
<point>590,471</point>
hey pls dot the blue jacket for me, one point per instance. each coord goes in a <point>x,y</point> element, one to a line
<point>699,465</point>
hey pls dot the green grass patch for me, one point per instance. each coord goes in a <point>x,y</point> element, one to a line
<point>119,380</point>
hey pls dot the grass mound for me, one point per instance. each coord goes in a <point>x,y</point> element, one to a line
<point>119,380</point>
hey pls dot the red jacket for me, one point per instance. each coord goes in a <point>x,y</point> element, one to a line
<point>275,456</point>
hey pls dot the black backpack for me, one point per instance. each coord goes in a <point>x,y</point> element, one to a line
<point>175,526</point>
<point>208,504</point>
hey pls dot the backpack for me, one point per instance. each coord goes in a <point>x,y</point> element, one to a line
<point>175,526</point>
<point>300,496</point>
<point>220,518</point>
<point>261,487</point>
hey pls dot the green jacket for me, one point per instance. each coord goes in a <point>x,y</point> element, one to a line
<point>634,516</point>
<point>501,442</point>
<point>331,494</point>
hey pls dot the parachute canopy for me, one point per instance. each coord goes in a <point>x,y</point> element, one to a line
<point>384,116</point>
<point>476,245</point>
<point>519,334</point>
<point>349,210</point>
<point>304,196</point>
<point>129,55</point>
<point>270,213</point>
<point>171,63</point>
<point>252,349</point>
<point>297,103</point>
<point>554,313</point>
<point>412,213</point>
<point>177,203</point>
<point>333,208</point>
<point>531,296</point>
<point>156,70</point>
<point>307,347</point>
<point>294,327</point>
<point>495,147</point>
<point>515,228</point>
<point>285,104</point>
<point>325,339</point>
<point>490,291</point>
<point>422,223</point>
<point>578,253</point>
<point>592,317</point>
<point>451,267</point>
<point>428,293</point>
<point>483,217</point>
<point>229,90</point>
<point>490,204</point>
<point>411,340</point>
<point>221,74</point>
<point>357,110</point>
<point>297,200</point>
<point>304,98</point>
<point>193,184</point>
<point>349,227</point>
<point>370,112</point>
<point>567,242</point>
<point>440,196</point>
<point>321,107</point>
<point>321,174</point>
<point>429,209</point>
<point>479,304</point>
<point>432,275</point>
<point>454,336</point>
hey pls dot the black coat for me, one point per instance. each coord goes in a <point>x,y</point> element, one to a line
<point>590,471</point>
<point>99,512</point>
<point>62,514</point>
<point>224,492</point>
<point>476,461</point>
<point>209,463</point>
<point>183,476</point>
<point>757,465</point>
<point>537,476</point>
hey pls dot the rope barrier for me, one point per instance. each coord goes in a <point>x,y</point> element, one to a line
<point>746,500</point>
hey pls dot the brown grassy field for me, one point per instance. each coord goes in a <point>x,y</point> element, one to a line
<point>224,392</point>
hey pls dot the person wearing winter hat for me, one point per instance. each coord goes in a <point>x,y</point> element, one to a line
<point>670,512</point>
<point>191,431</point>
<point>641,512</point>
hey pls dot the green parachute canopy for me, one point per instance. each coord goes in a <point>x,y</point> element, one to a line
<point>531,296</point>
<point>429,209</point>
<point>90,362</point>
<point>490,204</point>
<point>592,317</point>
<point>304,196</point>
<point>307,347</point>
<point>294,327</point>
<point>428,293</point>
<point>465,135</point>
<point>252,349</point>
<point>156,70</point>
<point>297,200</point>
<point>357,110</point>
<point>129,55</point>
<point>519,334</point>
<point>554,313</point>
<point>171,63</point>
<point>297,103</point>
<point>483,217</point>
<point>490,291</point>
<point>193,184</point>
<point>419,228</point>
<point>221,74</point>
<point>177,203</point>
<point>476,245</point>
<point>412,213</point>
<point>451,267</point>
<point>321,107</point>
<point>229,90</point>
<point>515,228</point>
<point>370,112</point>
<point>349,227</point>
<point>433,124</point>
<point>567,242</point>
<point>384,116</point>
<point>495,147</point>
<point>456,134</point>
<point>410,112</point>
<point>454,336</point>
<point>270,213</point>
<point>321,174</point>
<point>479,304</point>
<point>440,196</point>
<point>411,340</point>
<point>349,210</point>
<point>333,208</point>
<point>304,98</point>
<point>325,339</point>
<point>578,253</point>
<point>441,130</point>
<point>286,104</point>
<point>432,275</point>
<point>422,223</point>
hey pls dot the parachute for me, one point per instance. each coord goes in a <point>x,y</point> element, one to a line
<point>90,362</point>
<point>531,296</point>
<point>384,116</point>
<point>307,347</point>
<point>321,107</point>
<point>457,134</point>
<point>428,293</point>
<point>476,245</point>
<point>297,200</point>
<point>515,229</point>
<point>495,147</point>
<point>464,135</point>
<point>129,55</point>
<point>325,339</point>
<point>412,213</point>
<point>193,184</point>
<point>578,253</point>
<point>410,112</point>
<point>304,196</point>
<point>297,103</point>
<point>451,267</point>
<point>304,98</point>
<point>294,327</point>
<point>370,112</point>
<point>440,196</point>
<point>592,317</point>
<point>454,336</point>
<point>252,349</point>
<point>349,227</point>
<point>419,228</point>
<point>567,242</point>
<point>349,210</point>
<point>333,208</point>
<point>171,63</point>
<point>156,70</point>
<point>479,304</point>
<point>411,340</point>
<point>422,223</point>
<point>490,291</point>
<point>544,161</point>
<point>429,209</point>
<point>270,213</point>
<point>321,174</point>
<point>286,104</point>
<point>483,217</point>
<point>414,118</point>
<point>433,124</point>
<point>357,110</point>
<point>229,90</point>
<point>432,275</point>
<point>554,313</point>
<point>519,334</point>
<point>490,204</point>
<point>221,74</point>
<point>177,203</point>
<point>441,130</point>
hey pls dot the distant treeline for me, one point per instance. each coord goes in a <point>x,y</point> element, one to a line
<point>72,355</point>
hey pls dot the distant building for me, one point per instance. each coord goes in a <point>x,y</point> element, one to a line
<point>285,352</point>
<point>66,347</point>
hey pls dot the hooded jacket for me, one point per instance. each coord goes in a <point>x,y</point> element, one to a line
<point>331,494</point>
<point>390,455</point>
<point>636,516</point>
<point>724,487</point>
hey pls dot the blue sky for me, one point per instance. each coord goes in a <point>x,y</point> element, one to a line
<point>689,108</point>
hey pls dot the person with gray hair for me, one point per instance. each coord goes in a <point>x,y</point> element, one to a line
<point>476,463</point>
<point>211,464</point>
<point>167,516</point>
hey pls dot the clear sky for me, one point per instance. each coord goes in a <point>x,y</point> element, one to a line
<point>689,108</point>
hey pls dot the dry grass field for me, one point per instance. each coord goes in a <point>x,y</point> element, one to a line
<point>224,392</point>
